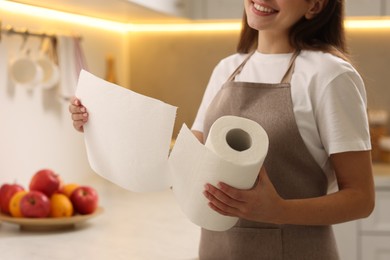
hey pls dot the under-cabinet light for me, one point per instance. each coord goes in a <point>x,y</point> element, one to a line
<point>186,27</point>
<point>368,23</point>
<point>18,8</point>
<point>40,12</point>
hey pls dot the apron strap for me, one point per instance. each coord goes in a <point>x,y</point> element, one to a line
<point>286,78</point>
<point>288,75</point>
<point>239,68</point>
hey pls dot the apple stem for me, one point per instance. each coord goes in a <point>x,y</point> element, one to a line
<point>32,201</point>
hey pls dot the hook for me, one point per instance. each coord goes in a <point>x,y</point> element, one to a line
<point>41,42</point>
<point>25,38</point>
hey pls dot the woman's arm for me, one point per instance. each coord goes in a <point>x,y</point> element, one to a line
<point>355,198</point>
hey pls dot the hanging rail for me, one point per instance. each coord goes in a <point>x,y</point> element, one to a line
<point>8,29</point>
<point>25,32</point>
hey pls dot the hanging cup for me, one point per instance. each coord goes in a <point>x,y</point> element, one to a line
<point>24,71</point>
<point>50,72</point>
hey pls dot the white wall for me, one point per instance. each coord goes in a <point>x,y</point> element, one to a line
<point>35,127</point>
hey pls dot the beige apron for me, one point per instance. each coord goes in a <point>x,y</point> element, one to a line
<point>291,168</point>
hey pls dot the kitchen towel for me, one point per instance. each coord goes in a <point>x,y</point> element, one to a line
<point>128,136</point>
<point>71,60</point>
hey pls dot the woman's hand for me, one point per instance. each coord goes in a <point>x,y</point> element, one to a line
<point>79,114</point>
<point>261,203</point>
<point>355,198</point>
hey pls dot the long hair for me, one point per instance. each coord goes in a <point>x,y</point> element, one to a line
<point>325,32</point>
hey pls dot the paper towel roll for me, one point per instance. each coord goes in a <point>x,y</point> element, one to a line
<point>128,143</point>
<point>234,153</point>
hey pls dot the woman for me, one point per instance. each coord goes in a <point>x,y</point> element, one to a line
<point>291,76</point>
<point>317,127</point>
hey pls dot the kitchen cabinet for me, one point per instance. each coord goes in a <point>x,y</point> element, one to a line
<point>346,237</point>
<point>367,7</point>
<point>196,9</point>
<point>147,10</point>
<point>179,8</point>
<point>117,10</point>
<point>375,248</point>
<point>375,230</point>
<point>217,9</point>
<point>387,7</point>
<point>369,238</point>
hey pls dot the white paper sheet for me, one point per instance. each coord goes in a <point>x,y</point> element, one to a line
<point>128,137</point>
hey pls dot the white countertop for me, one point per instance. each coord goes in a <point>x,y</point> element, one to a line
<point>133,226</point>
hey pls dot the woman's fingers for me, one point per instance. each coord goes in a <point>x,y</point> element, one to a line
<point>75,106</point>
<point>78,125</point>
<point>222,202</point>
<point>77,109</point>
<point>78,113</point>
<point>80,117</point>
<point>219,206</point>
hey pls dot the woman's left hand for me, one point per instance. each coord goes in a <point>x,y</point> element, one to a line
<point>262,203</point>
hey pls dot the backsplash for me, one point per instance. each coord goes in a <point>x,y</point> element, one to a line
<point>175,67</point>
<point>370,52</point>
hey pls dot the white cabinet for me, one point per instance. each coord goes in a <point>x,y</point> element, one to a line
<point>379,221</point>
<point>369,238</point>
<point>375,248</point>
<point>196,9</point>
<point>346,238</point>
<point>387,7</point>
<point>367,7</point>
<point>179,8</point>
<point>375,231</point>
<point>217,9</point>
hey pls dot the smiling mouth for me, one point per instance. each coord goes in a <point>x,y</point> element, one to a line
<point>263,9</point>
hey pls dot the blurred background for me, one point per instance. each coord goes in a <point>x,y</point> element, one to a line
<point>164,49</point>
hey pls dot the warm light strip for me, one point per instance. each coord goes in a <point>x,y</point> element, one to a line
<point>50,14</point>
<point>236,26</point>
<point>39,12</point>
<point>367,24</point>
<point>186,27</point>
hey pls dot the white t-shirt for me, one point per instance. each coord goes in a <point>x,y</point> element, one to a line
<point>328,95</point>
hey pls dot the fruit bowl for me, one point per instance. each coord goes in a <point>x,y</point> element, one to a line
<point>42,224</point>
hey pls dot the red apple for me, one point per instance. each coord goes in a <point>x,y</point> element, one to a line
<point>6,193</point>
<point>35,204</point>
<point>84,199</point>
<point>46,181</point>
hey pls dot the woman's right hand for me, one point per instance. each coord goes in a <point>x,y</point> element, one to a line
<point>79,114</point>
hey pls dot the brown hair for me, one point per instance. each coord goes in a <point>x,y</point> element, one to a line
<point>325,32</point>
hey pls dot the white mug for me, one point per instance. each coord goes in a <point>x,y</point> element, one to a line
<point>51,73</point>
<point>24,71</point>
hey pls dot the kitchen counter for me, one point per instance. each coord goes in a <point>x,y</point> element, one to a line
<point>133,226</point>
<point>381,175</point>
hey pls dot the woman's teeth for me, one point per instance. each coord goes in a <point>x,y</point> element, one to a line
<point>263,9</point>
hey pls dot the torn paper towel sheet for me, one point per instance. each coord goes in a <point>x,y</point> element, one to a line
<point>128,137</point>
